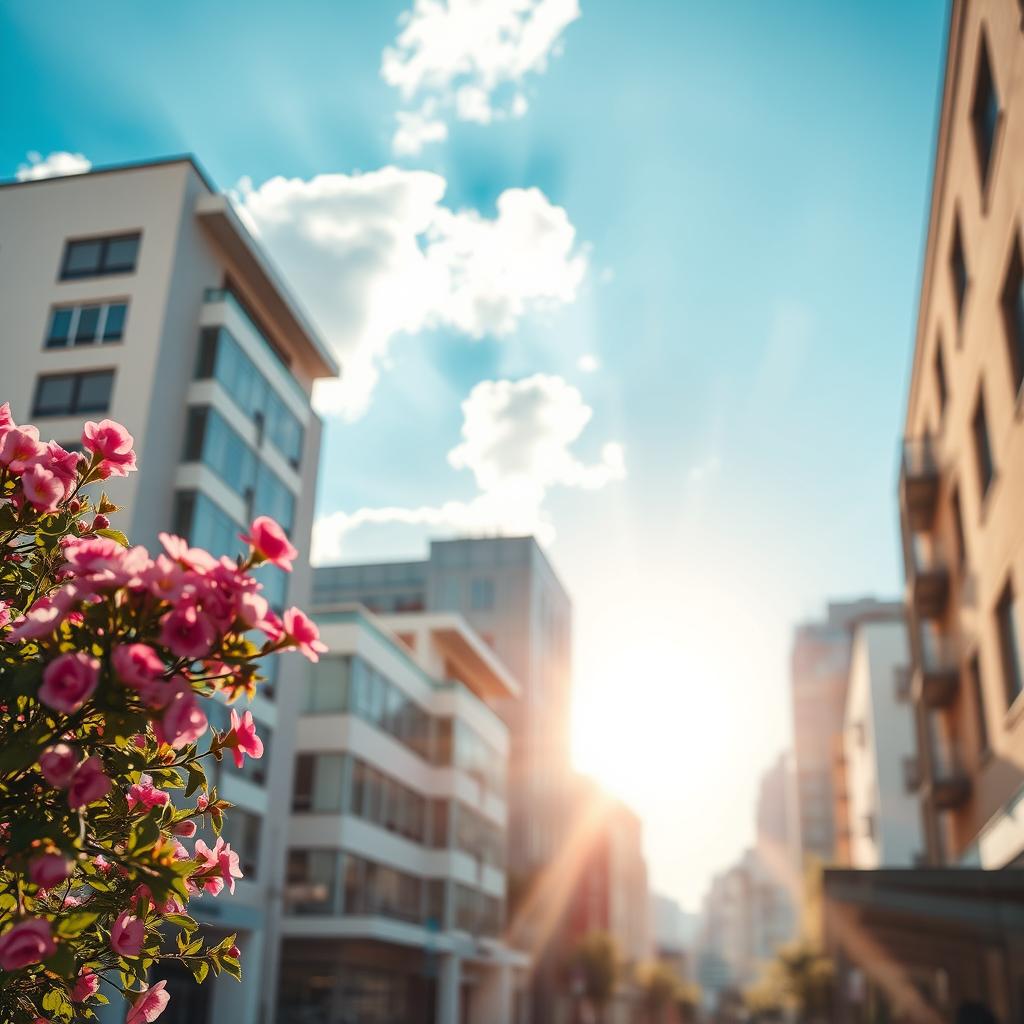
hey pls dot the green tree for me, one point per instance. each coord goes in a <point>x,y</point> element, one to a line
<point>660,988</point>
<point>597,964</point>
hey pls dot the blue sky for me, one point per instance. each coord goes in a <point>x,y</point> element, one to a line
<point>744,191</point>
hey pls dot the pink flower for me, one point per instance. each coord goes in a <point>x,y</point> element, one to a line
<point>183,721</point>
<point>186,828</point>
<point>89,784</point>
<point>190,558</point>
<point>145,795</point>
<point>137,666</point>
<point>21,446</point>
<point>101,564</point>
<point>58,764</point>
<point>49,869</point>
<point>270,543</point>
<point>5,614</point>
<point>113,444</point>
<point>68,681</point>
<point>87,985</point>
<point>45,615</point>
<point>187,632</point>
<point>28,942</point>
<point>127,934</point>
<point>242,738</point>
<point>300,629</point>
<point>150,1004</point>
<point>164,579</point>
<point>63,464</point>
<point>235,953</point>
<point>6,420</point>
<point>218,865</point>
<point>43,489</point>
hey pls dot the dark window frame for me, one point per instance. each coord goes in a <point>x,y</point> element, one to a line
<point>941,380</point>
<point>1009,644</point>
<point>74,310</point>
<point>984,459</point>
<point>103,268</point>
<point>985,92</point>
<point>978,693</point>
<point>959,270</point>
<point>74,407</point>
<point>1011,303</point>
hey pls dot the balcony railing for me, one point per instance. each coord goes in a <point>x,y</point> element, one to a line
<point>937,676</point>
<point>919,481</point>
<point>927,575</point>
<point>950,783</point>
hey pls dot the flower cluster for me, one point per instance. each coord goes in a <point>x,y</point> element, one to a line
<point>108,655</point>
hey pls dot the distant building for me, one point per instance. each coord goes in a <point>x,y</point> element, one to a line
<point>778,823</point>
<point>136,293</point>
<point>674,933</point>
<point>879,744</point>
<point>396,889</point>
<point>820,667</point>
<point>507,590</point>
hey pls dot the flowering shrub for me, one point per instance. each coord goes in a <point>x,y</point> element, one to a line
<point>107,656</point>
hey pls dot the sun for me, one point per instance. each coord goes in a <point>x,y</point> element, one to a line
<point>650,720</point>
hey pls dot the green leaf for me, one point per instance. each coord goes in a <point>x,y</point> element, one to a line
<point>114,535</point>
<point>75,924</point>
<point>196,779</point>
<point>200,969</point>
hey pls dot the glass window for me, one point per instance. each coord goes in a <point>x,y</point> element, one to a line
<point>481,594</point>
<point>311,881</point>
<point>88,321</point>
<point>982,448</point>
<point>113,327</point>
<point>328,686</point>
<point>95,256</point>
<point>60,328</point>
<point>302,783</point>
<point>242,831</point>
<point>328,783</point>
<point>67,393</point>
<point>958,268</point>
<point>82,259</point>
<point>1013,315</point>
<point>941,387</point>
<point>1009,643</point>
<point>974,671</point>
<point>984,111</point>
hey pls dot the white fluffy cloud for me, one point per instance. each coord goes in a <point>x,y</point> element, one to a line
<point>471,57</point>
<point>374,255</point>
<point>517,440</point>
<point>56,165</point>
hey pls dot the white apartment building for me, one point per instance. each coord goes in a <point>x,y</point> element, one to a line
<point>880,746</point>
<point>396,882</point>
<point>135,293</point>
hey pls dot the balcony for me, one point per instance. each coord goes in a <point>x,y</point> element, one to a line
<point>927,576</point>
<point>911,774</point>
<point>950,783</point>
<point>919,482</point>
<point>937,676</point>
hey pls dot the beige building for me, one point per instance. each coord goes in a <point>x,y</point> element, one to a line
<point>135,293</point>
<point>962,480</point>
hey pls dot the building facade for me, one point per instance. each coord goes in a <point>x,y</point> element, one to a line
<point>135,293</point>
<point>879,743</point>
<point>507,590</point>
<point>820,666</point>
<point>396,882</point>
<point>961,488</point>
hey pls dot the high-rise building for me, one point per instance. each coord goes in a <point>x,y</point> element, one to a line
<point>135,293</point>
<point>674,933</point>
<point>961,485</point>
<point>508,592</point>
<point>820,667</point>
<point>879,743</point>
<point>778,822</point>
<point>396,886</point>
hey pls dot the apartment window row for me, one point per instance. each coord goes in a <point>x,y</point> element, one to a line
<point>97,257</point>
<point>335,882</point>
<point>242,829</point>
<point>479,838</point>
<point>72,394</point>
<point>204,524</point>
<point>350,685</point>
<point>476,912</point>
<point>222,359</point>
<point>95,323</point>
<point>210,440</point>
